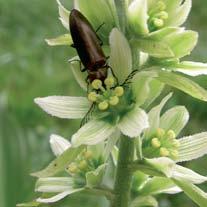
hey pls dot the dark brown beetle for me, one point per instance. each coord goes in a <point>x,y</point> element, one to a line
<point>88,46</point>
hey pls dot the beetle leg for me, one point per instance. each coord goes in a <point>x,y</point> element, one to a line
<point>72,45</point>
<point>99,27</point>
<point>130,76</point>
<point>88,115</point>
<point>101,42</point>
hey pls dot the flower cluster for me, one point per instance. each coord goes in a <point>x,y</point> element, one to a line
<point>144,59</point>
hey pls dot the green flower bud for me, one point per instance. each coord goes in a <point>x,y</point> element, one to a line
<point>155,143</point>
<point>83,165</point>
<point>96,84</point>
<point>160,132</point>
<point>164,152</point>
<point>109,82</point>
<point>114,100</point>
<point>171,134</point>
<point>103,105</point>
<point>119,91</point>
<point>92,96</point>
<point>158,22</point>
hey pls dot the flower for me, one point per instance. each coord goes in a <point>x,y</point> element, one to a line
<point>161,152</point>
<point>116,105</point>
<point>84,173</point>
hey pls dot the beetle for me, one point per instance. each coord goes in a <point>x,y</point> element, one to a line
<point>88,46</point>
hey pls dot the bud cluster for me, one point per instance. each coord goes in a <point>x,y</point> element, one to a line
<point>105,96</point>
<point>163,144</point>
<point>157,16</point>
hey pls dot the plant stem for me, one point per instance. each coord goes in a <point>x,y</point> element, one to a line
<point>124,174</point>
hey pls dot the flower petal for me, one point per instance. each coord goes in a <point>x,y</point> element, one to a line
<point>60,163</point>
<point>58,196</point>
<point>121,56</point>
<point>94,178</point>
<point>59,144</point>
<point>64,15</point>
<point>54,184</point>
<point>192,147</point>
<point>92,133</point>
<point>179,172</point>
<point>181,13</point>
<point>174,119</point>
<point>184,84</point>
<point>154,117</point>
<point>61,40</point>
<point>65,107</point>
<point>137,16</point>
<point>193,192</point>
<point>140,86</point>
<point>80,77</point>
<point>191,68</point>
<point>134,122</point>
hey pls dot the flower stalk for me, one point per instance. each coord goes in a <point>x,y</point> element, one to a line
<point>124,174</point>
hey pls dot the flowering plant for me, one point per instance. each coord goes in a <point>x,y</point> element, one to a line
<point>145,44</point>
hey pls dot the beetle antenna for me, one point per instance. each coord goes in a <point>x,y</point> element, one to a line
<point>88,115</point>
<point>130,76</point>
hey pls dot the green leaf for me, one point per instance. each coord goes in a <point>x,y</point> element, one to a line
<point>134,122</point>
<point>153,48</point>
<point>92,133</point>
<point>121,56</point>
<point>65,107</point>
<point>174,119</point>
<point>29,204</point>
<point>184,84</point>
<point>144,201</point>
<point>137,17</point>
<point>193,192</point>
<point>140,86</point>
<point>94,178</point>
<point>60,163</point>
<point>190,68</point>
<point>192,147</point>
<point>154,117</point>
<point>65,39</point>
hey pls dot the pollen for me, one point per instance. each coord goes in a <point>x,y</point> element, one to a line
<point>160,133</point>
<point>109,82</point>
<point>158,22</point>
<point>73,169</point>
<point>114,100</point>
<point>83,165</point>
<point>171,134</point>
<point>155,143</point>
<point>164,152</point>
<point>103,105</point>
<point>92,96</point>
<point>119,91</point>
<point>96,84</point>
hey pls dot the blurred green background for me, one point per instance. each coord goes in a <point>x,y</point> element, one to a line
<point>29,68</point>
